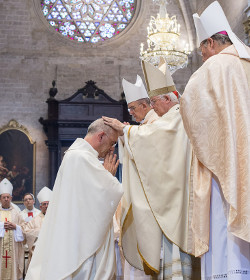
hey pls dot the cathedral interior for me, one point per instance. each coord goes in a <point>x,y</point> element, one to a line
<point>53,57</point>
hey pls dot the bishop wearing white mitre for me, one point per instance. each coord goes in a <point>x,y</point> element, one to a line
<point>11,236</point>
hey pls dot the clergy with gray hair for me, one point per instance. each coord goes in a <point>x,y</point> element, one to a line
<point>76,240</point>
<point>155,204</point>
<point>140,108</point>
<point>215,109</point>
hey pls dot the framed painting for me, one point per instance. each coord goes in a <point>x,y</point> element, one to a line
<point>17,159</point>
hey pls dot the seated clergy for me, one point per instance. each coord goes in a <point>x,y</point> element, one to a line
<point>30,211</point>
<point>33,227</point>
<point>11,236</point>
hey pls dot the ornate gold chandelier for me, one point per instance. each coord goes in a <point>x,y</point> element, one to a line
<point>163,40</point>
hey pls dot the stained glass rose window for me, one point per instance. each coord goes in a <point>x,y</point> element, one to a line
<point>89,20</point>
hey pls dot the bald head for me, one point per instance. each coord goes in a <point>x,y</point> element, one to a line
<point>101,137</point>
<point>99,126</point>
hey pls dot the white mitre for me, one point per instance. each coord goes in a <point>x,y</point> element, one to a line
<point>6,187</point>
<point>158,80</point>
<point>134,92</point>
<point>44,194</point>
<point>212,21</point>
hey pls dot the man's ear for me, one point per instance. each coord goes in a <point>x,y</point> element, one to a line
<point>11,198</point>
<point>210,42</point>
<point>144,105</point>
<point>167,98</point>
<point>100,136</point>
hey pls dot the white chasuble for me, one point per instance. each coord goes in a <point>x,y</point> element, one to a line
<point>130,272</point>
<point>156,184</point>
<point>150,117</point>
<point>100,265</point>
<point>70,237</point>
<point>12,252</point>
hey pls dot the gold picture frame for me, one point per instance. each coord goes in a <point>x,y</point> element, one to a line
<point>18,159</point>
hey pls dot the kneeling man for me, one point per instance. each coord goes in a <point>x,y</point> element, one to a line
<point>76,240</point>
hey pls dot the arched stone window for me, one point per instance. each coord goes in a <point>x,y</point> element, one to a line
<point>89,21</point>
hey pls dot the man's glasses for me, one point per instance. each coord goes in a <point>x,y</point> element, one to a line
<point>132,108</point>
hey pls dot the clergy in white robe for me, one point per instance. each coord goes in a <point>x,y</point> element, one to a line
<point>215,108</point>
<point>139,107</point>
<point>11,236</point>
<point>33,227</point>
<point>29,212</point>
<point>138,101</point>
<point>155,202</point>
<point>76,240</point>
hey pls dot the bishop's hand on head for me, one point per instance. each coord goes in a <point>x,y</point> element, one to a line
<point>111,163</point>
<point>115,124</point>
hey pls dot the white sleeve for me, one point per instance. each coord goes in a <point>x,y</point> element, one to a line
<point>121,149</point>
<point>2,230</point>
<point>18,234</point>
<point>125,131</point>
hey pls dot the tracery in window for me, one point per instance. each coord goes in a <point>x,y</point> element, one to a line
<point>89,20</point>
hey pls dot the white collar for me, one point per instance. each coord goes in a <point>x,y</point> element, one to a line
<point>81,144</point>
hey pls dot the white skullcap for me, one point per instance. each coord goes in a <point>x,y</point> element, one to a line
<point>6,187</point>
<point>212,21</point>
<point>158,80</point>
<point>44,194</point>
<point>134,92</point>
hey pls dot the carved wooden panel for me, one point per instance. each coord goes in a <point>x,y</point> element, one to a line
<point>69,119</point>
